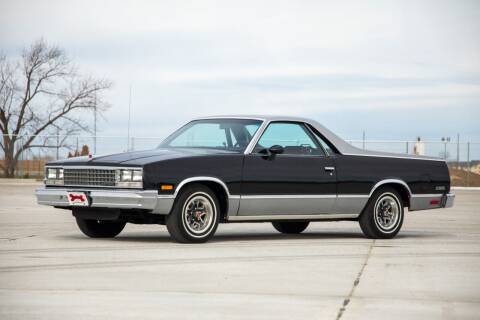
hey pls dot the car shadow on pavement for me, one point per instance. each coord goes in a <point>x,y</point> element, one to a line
<point>162,236</point>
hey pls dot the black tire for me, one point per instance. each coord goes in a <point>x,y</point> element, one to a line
<point>377,220</point>
<point>100,228</point>
<point>290,227</point>
<point>194,201</point>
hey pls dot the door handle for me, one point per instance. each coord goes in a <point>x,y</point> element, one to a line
<point>330,170</point>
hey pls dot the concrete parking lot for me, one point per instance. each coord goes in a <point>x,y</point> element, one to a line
<point>49,270</point>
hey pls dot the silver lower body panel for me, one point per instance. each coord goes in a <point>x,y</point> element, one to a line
<point>302,207</point>
<point>242,208</point>
<point>285,205</point>
<point>431,201</point>
<point>311,217</point>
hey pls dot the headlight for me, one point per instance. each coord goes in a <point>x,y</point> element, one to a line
<point>130,178</point>
<point>51,173</point>
<point>125,175</point>
<point>54,176</point>
<point>137,175</point>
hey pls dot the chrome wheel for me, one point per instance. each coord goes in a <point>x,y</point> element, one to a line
<point>199,214</point>
<point>387,212</point>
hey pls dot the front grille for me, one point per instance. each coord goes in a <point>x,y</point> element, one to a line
<point>89,177</point>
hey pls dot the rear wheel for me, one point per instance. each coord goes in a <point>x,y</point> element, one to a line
<point>195,215</point>
<point>290,227</point>
<point>383,216</point>
<point>100,228</point>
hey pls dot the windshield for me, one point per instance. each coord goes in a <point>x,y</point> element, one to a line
<point>223,134</point>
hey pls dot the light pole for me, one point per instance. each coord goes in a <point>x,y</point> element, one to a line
<point>95,123</point>
<point>94,106</point>
<point>129,117</point>
<point>445,140</point>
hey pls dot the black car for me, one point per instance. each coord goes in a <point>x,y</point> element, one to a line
<point>285,170</point>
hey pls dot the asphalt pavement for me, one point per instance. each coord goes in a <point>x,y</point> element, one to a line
<point>49,270</point>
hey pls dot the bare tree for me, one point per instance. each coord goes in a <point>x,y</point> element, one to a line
<point>42,93</point>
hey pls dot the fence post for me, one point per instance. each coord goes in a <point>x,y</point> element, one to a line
<point>468,164</point>
<point>458,151</point>
<point>20,160</point>
<point>406,144</point>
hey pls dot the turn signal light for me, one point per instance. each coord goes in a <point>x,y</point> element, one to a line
<point>166,187</point>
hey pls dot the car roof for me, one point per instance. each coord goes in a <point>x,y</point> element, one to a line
<point>341,145</point>
<point>258,117</point>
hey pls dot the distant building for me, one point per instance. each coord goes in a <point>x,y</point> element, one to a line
<point>419,147</point>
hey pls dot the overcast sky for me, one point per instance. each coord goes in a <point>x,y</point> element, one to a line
<point>396,69</point>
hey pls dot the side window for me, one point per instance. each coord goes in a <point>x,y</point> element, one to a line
<point>251,129</point>
<point>202,135</point>
<point>325,145</point>
<point>293,137</point>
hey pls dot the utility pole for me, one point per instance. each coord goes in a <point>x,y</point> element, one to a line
<point>129,117</point>
<point>468,164</point>
<point>458,151</point>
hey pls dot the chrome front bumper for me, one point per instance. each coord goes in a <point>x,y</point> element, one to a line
<point>120,199</point>
<point>431,201</point>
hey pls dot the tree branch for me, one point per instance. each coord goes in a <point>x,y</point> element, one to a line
<point>38,92</point>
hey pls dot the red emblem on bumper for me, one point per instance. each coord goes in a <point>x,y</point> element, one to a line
<point>74,197</point>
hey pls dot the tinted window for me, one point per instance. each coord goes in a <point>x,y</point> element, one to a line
<point>228,134</point>
<point>293,137</point>
<point>326,146</point>
<point>202,135</point>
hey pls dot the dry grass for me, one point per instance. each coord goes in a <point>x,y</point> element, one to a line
<point>461,177</point>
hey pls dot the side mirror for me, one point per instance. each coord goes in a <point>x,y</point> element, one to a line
<point>276,149</point>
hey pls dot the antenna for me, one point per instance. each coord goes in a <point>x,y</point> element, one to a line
<point>129,117</point>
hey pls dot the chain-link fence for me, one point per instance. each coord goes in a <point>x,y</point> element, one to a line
<point>463,157</point>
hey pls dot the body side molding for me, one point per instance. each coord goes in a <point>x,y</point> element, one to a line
<point>321,216</point>
<point>203,178</point>
<point>233,200</point>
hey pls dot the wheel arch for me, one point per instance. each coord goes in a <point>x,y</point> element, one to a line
<point>216,185</point>
<point>399,185</point>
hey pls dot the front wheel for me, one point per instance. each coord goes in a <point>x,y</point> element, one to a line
<point>100,228</point>
<point>290,227</point>
<point>195,215</point>
<point>383,216</point>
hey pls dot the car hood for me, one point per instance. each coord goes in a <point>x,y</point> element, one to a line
<point>139,158</point>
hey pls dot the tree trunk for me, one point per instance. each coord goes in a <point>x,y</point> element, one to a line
<point>10,160</point>
<point>9,170</point>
